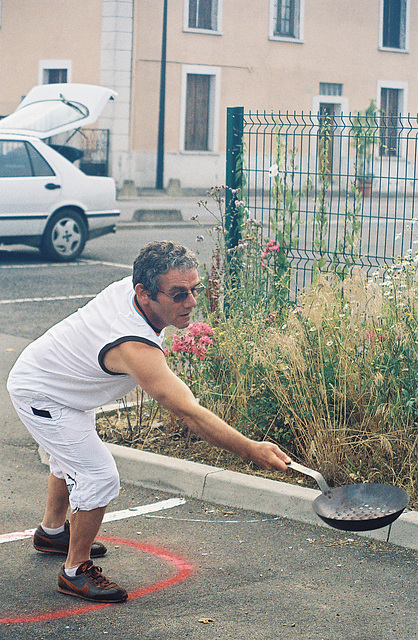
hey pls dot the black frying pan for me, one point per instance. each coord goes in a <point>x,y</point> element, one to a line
<point>356,507</point>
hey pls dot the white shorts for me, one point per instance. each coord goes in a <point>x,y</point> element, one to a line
<point>77,454</point>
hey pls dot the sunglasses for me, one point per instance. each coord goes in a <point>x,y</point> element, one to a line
<point>183,295</point>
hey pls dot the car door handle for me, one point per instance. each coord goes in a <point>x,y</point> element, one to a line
<point>52,185</point>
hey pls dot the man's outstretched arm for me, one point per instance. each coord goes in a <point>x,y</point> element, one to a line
<point>147,365</point>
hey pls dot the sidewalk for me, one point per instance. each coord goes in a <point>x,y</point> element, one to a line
<point>159,208</point>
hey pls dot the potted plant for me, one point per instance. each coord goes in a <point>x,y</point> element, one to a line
<point>365,132</point>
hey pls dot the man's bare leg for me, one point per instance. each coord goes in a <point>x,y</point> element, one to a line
<point>86,580</point>
<point>84,527</point>
<point>56,503</point>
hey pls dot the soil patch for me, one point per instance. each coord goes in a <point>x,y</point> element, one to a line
<point>161,432</point>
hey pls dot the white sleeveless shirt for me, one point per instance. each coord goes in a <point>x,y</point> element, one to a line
<point>66,363</point>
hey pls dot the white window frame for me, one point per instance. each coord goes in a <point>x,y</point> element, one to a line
<point>272,22</point>
<point>341,104</point>
<point>407,30</point>
<point>393,84</point>
<point>214,107</point>
<point>213,32</point>
<point>44,65</point>
<point>340,101</point>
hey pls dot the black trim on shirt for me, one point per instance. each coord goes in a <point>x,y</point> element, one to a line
<point>117,342</point>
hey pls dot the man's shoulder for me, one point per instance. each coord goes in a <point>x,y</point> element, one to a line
<point>124,284</point>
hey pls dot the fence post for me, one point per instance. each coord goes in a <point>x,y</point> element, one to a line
<point>234,172</point>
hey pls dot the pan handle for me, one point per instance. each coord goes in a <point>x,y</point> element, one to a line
<point>310,472</point>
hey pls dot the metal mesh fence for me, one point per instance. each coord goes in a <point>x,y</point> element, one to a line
<point>341,188</point>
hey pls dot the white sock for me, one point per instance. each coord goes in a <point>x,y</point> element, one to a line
<point>71,572</point>
<point>53,532</point>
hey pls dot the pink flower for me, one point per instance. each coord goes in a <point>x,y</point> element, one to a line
<point>271,247</point>
<point>196,341</point>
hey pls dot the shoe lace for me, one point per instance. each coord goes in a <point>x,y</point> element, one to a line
<point>99,579</point>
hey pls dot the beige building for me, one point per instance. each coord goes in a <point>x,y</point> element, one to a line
<point>266,55</point>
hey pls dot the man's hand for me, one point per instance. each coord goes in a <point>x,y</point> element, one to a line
<point>268,456</point>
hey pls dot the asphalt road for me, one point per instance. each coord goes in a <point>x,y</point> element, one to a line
<point>197,570</point>
<point>50,292</point>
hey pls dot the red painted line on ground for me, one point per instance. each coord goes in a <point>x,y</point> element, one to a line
<point>184,570</point>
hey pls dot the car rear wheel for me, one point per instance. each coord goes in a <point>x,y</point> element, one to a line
<point>64,237</point>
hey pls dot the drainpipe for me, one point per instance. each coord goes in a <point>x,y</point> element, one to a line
<point>159,183</point>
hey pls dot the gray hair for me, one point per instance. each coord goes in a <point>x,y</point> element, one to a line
<point>156,258</point>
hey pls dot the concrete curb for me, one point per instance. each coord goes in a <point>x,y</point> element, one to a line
<point>160,224</point>
<point>241,491</point>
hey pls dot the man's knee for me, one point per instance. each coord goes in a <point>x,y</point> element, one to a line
<point>95,489</point>
<point>112,485</point>
<point>108,485</point>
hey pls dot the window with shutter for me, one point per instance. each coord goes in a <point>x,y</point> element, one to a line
<point>197,113</point>
<point>390,104</point>
<point>55,76</point>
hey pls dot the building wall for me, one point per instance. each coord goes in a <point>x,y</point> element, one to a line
<point>340,44</point>
<point>56,30</point>
<point>117,43</point>
<point>117,31</point>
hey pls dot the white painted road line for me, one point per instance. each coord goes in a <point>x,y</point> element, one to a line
<point>143,509</point>
<point>80,263</point>
<point>219,521</point>
<point>60,298</point>
<point>40,265</point>
<point>50,299</point>
<point>109,264</point>
<point>16,535</point>
<point>112,516</point>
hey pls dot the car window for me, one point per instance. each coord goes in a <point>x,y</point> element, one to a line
<point>20,159</point>
<point>45,116</point>
<point>40,166</point>
<point>14,159</point>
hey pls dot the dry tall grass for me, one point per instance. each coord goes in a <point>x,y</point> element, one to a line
<point>335,384</point>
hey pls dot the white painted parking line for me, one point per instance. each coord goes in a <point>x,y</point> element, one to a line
<point>143,509</point>
<point>49,299</point>
<point>16,535</point>
<point>112,516</point>
<point>218,521</point>
<point>48,265</point>
<point>80,263</point>
<point>110,264</point>
<point>61,298</point>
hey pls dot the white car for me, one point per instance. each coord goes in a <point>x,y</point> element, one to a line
<point>45,200</point>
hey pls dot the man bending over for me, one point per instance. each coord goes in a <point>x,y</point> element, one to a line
<point>99,353</point>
